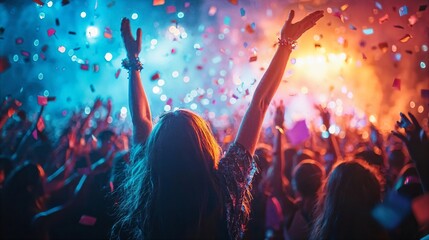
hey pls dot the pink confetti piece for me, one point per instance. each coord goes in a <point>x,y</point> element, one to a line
<point>96,68</point>
<point>25,53</point>
<point>158,2</point>
<point>397,83</point>
<point>19,40</point>
<point>87,220</point>
<point>51,32</point>
<point>212,11</point>
<point>169,101</point>
<point>84,67</point>
<point>171,9</point>
<point>42,100</point>
<point>117,73</point>
<point>187,4</point>
<point>34,134</point>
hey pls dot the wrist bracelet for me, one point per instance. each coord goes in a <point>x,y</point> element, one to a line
<point>280,129</point>
<point>290,43</point>
<point>133,64</point>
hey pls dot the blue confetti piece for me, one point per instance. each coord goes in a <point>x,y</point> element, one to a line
<point>352,27</point>
<point>368,31</point>
<point>242,12</point>
<point>403,10</point>
<point>253,25</point>
<point>378,5</point>
<point>227,20</point>
<point>245,44</point>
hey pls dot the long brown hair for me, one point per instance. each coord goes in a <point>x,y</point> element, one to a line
<point>170,190</point>
<point>352,190</point>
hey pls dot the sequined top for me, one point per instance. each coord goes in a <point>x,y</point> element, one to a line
<point>235,173</point>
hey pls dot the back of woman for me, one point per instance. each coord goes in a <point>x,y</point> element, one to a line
<point>352,190</point>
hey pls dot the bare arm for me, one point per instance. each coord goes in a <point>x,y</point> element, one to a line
<point>251,124</point>
<point>139,106</point>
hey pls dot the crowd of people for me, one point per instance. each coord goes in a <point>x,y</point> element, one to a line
<point>172,180</point>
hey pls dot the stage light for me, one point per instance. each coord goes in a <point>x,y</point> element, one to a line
<point>134,16</point>
<point>83,14</point>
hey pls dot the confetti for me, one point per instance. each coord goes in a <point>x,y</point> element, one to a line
<point>368,31</point>
<point>19,40</point>
<point>364,56</point>
<point>51,32</point>
<point>42,100</point>
<point>397,83</point>
<point>84,67</point>
<point>212,11</point>
<point>253,58</point>
<point>154,77</point>
<point>352,27</point>
<point>72,33</point>
<point>107,33</point>
<point>378,5</point>
<point>25,53</point>
<point>87,220</point>
<point>171,9</point>
<point>403,10</point>
<point>405,38</point>
<point>249,28</point>
<point>169,101</point>
<point>117,73</point>
<point>40,125</point>
<point>344,7</point>
<point>424,93</point>
<point>64,2</point>
<point>398,26</point>
<point>422,8</point>
<point>96,67</point>
<point>187,4</point>
<point>34,134</point>
<point>412,20</point>
<point>298,133</point>
<point>235,2</point>
<point>383,19</point>
<point>227,20</point>
<point>92,88</point>
<point>158,2</point>
<point>242,12</point>
<point>4,64</point>
<point>40,3</point>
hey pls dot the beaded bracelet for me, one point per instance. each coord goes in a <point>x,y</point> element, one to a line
<point>288,42</point>
<point>134,64</point>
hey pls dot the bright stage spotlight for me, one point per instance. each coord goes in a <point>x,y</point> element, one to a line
<point>92,32</point>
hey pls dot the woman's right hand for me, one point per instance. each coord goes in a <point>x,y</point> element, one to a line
<point>133,46</point>
<point>293,31</point>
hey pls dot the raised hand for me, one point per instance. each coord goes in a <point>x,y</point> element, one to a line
<point>294,30</point>
<point>279,116</point>
<point>133,46</point>
<point>418,145</point>
<point>325,115</point>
